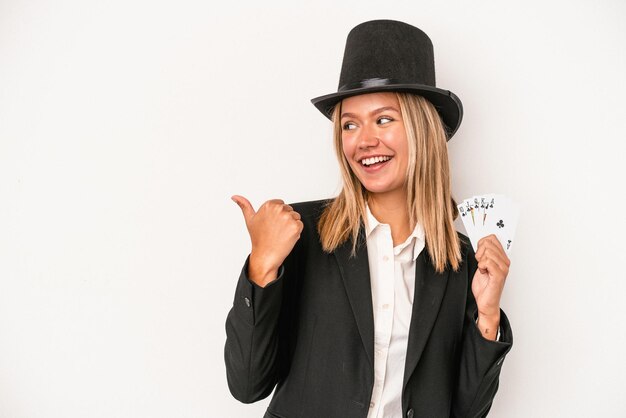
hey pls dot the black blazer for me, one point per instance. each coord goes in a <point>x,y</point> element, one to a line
<point>310,334</point>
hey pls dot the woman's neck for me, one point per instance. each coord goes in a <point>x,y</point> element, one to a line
<point>391,209</point>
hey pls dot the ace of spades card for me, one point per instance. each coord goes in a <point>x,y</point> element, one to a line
<point>487,214</point>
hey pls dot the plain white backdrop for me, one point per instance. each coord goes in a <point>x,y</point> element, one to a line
<point>125,127</point>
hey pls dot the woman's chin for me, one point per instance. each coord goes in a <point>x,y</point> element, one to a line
<point>378,188</point>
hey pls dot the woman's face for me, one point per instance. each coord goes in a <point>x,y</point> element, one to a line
<point>374,141</point>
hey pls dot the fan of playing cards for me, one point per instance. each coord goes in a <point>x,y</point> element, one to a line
<point>490,214</point>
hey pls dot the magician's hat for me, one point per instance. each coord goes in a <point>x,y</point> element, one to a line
<point>388,55</point>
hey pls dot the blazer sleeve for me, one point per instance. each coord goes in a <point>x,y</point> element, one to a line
<point>251,347</point>
<point>480,359</point>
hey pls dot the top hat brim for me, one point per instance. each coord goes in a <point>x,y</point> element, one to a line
<point>447,103</point>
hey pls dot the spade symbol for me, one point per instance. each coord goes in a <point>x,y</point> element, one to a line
<point>500,224</point>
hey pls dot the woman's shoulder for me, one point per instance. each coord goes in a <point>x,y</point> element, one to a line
<point>311,208</point>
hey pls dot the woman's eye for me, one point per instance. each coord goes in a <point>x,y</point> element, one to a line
<point>384,119</point>
<point>348,126</point>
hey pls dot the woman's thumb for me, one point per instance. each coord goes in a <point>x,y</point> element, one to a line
<point>245,205</point>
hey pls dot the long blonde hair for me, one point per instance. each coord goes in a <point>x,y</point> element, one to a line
<point>429,200</point>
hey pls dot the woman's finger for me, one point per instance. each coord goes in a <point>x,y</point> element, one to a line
<point>494,270</point>
<point>492,242</point>
<point>491,253</point>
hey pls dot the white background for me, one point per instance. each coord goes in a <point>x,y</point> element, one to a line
<point>125,127</point>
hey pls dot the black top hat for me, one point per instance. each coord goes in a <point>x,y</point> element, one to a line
<point>387,55</point>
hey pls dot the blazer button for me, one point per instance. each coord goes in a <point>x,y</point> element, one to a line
<point>409,413</point>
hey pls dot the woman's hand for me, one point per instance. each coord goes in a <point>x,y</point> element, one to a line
<point>488,283</point>
<point>274,230</point>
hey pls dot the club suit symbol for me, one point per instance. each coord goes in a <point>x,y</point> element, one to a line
<point>500,224</point>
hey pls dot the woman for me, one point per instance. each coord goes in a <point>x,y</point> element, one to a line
<point>371,304</point>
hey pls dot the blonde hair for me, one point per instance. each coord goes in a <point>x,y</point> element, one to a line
<point>429,200</point>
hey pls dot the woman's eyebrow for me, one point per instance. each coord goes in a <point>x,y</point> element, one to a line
<point>373,112</point>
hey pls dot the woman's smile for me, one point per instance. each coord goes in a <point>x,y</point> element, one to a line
<point>373,164</point>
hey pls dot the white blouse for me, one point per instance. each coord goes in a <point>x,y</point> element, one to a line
<point>392,276</point>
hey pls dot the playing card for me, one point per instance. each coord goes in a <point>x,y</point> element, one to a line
<point>502,222</point>
<point>487,214</point>
<point>467,214</point>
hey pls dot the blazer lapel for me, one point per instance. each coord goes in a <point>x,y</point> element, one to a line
<point>356,278</point>
<point>430,287</point>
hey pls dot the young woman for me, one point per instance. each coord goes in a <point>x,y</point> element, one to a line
<point>371,304</point>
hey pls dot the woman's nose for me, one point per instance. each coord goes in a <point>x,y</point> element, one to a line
<point>368,137</point>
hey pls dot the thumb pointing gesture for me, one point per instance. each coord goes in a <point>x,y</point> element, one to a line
<point>274,230</point>
<point>246,207</point>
